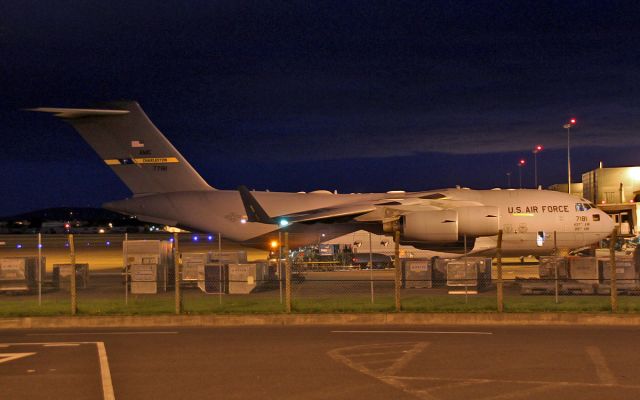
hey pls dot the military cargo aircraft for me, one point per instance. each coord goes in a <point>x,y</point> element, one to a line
<point>166,189</point>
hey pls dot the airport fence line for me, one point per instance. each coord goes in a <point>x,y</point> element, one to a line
<point>113,274</point>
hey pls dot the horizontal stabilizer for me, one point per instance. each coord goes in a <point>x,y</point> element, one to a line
<point>69,113</point>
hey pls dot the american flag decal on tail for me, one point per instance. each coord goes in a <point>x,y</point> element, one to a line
<point>137,143</point>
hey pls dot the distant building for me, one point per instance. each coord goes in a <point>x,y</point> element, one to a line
<point>616,191</point>
<point>612,185</point>
<point>576,188</point>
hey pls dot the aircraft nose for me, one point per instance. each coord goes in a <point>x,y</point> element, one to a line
<point>607,222</point>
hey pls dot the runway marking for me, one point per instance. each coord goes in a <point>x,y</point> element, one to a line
<point>524,392</point>
<point>104,333</point>
<point>105,374</point>
<point>481,380</point>
<point>6,357</point>
<point>352,357</point>
<point>346,355</point>
<point>422,332</point>
<point>404,360</point>
<point>605,374</point>
<point>377,353</point>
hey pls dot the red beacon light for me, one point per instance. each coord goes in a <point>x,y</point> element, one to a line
<point>572,121</point>
<point>521,162</point>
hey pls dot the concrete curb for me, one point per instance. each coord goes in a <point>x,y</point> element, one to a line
<point>381,319</point>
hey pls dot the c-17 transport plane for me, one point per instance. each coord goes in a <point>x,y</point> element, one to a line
<point>166,189</point>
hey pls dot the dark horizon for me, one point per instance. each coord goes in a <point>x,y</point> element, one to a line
<point>335,95</point>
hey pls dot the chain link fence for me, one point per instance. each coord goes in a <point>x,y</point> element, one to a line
<point>135,274</point>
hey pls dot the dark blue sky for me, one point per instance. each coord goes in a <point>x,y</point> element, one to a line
<point>354,96</point>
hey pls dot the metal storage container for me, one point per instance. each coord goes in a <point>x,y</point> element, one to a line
<point>627,275</point>
<point>244,278</point>
<point>214,278</point>
<point>193,266</point>
<point>144,278</point>
<point>474,272</point>
<point>417,273</point>
<point>227,257</point>
<point>82,274</point>
<point>584,269</point>
<point>20,274</point>
<point>151,252</point>
<point>547,267</point>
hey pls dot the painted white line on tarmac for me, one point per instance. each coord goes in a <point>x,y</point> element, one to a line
<point>6,357</point>
<point>422,332</point>
<point>105,374</point>
<point>103,333</point>
<point>603,371</point>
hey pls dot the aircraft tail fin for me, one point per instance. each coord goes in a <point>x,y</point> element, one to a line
<point>129,143</point>
<point>255,212</point>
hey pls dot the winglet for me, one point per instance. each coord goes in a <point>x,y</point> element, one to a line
<point>255,212</point>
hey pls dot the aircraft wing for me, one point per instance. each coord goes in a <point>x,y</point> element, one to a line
<point>329,214</point>
<point>255,212</point>
<point>386,208</point>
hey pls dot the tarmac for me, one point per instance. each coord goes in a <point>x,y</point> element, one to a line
<point>322,362</point>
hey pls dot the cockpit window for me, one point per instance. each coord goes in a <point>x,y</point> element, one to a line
<point>583,206</point>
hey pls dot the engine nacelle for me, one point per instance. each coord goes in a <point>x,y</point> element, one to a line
<point>478,221</point>
<point>447,226</point>
<point>430,226</point>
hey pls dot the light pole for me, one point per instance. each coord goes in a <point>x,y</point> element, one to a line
<point>536,150</point>
<point>520,165</point>
<point>568,126</point>
<point>509,180</point>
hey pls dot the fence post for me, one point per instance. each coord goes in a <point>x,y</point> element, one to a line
<point>398,275</point>
<point>614,283</point>
<point>125,253</point>
<point>72,277</point>
<point>39,269</point>
<point>557,282</point>
<point>177,271</point>
<point>287,267</point>
<point>371,268</point>
<point>500,282</point>
<point>220,274</point>
<point>280,264</point>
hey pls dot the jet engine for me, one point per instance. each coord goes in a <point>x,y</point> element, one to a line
<point>430,226</point>
<point>443,226</point>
